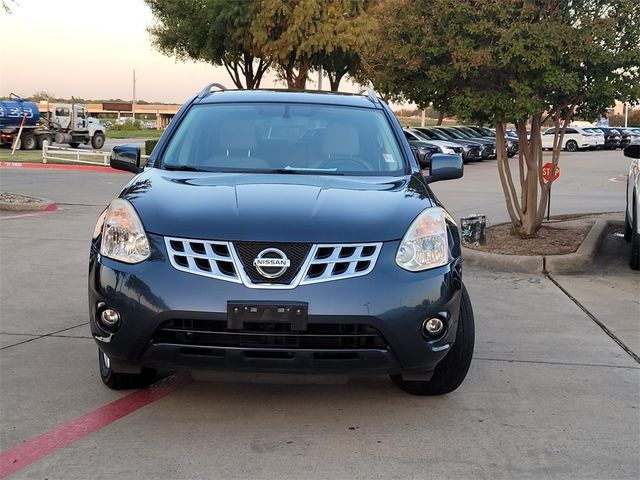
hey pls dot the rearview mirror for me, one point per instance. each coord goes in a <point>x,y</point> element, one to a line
<point>445,166</point>
<point>126,157</point>
<point>632,151</point>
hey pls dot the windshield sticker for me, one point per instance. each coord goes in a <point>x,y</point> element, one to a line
<point>388,158</point>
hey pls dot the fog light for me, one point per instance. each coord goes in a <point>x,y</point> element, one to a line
<point>433,326</point>
<point>109,317</point>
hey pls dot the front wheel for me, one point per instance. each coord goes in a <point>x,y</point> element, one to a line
<point>122,381</point>
<point>97,141</point>
<point>634,263</point>
<point>452,370</point>
<point>571,146</point>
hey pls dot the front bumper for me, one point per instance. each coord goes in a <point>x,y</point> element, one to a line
<point>388,300</point>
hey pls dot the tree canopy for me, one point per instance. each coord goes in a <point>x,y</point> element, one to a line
<point>248,37</point>
<point>519,61</point>
<point>214,31</point>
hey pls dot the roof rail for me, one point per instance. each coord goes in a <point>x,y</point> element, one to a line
<point>207,89</point>
<point>370,94</point>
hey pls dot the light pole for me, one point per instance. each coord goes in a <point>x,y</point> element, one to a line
<point>133,104</point>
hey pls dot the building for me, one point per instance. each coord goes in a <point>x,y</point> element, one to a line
<point>162,114</point>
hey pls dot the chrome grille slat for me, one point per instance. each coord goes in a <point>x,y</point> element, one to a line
<point>331,267</point>
<point>210,256</point>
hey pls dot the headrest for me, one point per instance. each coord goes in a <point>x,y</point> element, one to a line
<point>341,139</point>
<point>237,134</point>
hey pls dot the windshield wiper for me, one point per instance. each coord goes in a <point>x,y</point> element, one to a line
<point>183,168</point>
<point>307,171</point>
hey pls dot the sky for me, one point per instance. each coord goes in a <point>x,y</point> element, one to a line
<point>89,49</point>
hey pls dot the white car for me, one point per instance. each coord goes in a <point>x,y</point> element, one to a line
<point>632,222</point>
<point>599,136</point>
<point>574,139</point>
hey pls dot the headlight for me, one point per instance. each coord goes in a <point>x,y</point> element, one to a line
<point>425,244</point>
<point>123,236</point>
<point>448,150</point>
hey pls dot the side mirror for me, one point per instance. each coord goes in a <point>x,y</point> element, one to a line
<point>632,151</point>
<point>126,157</point>
<point>445,166</point>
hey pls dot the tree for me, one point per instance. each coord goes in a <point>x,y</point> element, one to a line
<point>518,61</point>
<point>302,34</point>
<point>214,31</point>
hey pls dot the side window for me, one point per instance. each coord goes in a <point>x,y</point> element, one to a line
<point>62,112</point>
<point>409,136</point>
<point>571,130</point>
<point>551,131</point>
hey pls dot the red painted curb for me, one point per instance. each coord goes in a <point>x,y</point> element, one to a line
<point>89,168</point>
<point>38,447</point>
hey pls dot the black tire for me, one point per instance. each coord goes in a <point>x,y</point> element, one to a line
<point>28,142</point>
<point>634,263</point>
<point>74,144</point>
<point>123,381</point>
<point>452,370</point>
<point>97,141</point>
<point>42,139</point>
<point>628,229</point>
<point>571,146</point>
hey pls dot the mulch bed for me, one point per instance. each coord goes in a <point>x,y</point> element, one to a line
<point>16,198</point>
<point>563,234</point>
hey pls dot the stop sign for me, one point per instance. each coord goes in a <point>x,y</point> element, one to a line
<point>546,172</point>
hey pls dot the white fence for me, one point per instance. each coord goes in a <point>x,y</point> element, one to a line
<point>77,155</point>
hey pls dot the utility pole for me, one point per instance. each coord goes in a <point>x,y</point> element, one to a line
<point>133,104</point>
<point>320,78</point>
<point>626,114</point>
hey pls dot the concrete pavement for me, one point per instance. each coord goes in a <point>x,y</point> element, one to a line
<point>549,394</point>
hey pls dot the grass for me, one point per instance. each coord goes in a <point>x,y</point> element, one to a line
<point>146,134</point>
<point>31,156</point>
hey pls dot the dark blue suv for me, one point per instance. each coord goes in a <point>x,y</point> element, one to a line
<point>279,231</point>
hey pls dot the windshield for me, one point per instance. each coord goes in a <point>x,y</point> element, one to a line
<point>453,133</point>
<point>284,138</point>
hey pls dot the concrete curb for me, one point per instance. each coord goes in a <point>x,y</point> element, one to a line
<point>568,263</point>
<point>42,205</point>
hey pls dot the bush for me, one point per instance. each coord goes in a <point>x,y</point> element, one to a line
<point>126,126</point>
<point>149,145</point>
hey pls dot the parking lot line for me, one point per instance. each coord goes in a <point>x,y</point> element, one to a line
<point>38,447</point>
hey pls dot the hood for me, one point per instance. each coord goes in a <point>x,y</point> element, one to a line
<point>444,143</point>
<point>276,207</point>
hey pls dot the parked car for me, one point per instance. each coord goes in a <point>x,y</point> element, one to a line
<point>599,137</point>
<point>612,137</point>
<point>471,150</point>
<point>574,139</point>
<point>423,151</point>
<point>236,250</point>
<point>484,132</point>
<point>489,150</point>
<point>632,222</point>
<point>634,134</point>
<point>425,146</point>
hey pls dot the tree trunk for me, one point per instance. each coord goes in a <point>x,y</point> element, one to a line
<point>440,117</point>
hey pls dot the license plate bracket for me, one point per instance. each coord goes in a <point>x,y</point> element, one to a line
<point>292,313</point>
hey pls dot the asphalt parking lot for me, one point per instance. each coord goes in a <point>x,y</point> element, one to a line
<point>549,393</point>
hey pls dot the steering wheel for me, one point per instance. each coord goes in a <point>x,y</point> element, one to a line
<point>340,163</point>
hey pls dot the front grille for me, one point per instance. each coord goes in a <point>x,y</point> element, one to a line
<point>332,262</point>
<point>458,150</point>
<point>202,257</point>
<point>309,263</point>
<point>249,251</point>
<point>265,335</point>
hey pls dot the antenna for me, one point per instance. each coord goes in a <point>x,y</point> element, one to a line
<point>207,89</point>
